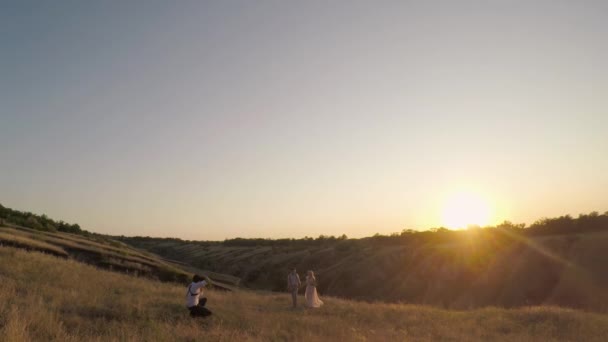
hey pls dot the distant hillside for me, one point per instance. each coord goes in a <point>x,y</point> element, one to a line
<point>44,298</point>
<point>70,241</point>
<point>106,253</point>
<point>557,261</point>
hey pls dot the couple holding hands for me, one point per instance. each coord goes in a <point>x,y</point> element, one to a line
<point>311,296</point>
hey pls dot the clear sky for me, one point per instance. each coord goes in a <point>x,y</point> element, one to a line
<point>211,120</point>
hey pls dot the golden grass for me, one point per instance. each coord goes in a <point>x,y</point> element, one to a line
<point>58,243</point>
<point>51,299</point>
<point>24,242</point>
<point>67,241</point>
<point>80,242</point>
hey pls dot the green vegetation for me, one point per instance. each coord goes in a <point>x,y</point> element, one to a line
<point>38,222</point>
<point>44,298</point>
<point>584,223</point>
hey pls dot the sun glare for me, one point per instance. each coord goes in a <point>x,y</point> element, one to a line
<point>465,209</point>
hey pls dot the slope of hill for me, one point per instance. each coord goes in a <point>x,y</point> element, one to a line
<point>30,231</point>
<point>451,269</point>
<point>105,253</point>
<point>45,298</point>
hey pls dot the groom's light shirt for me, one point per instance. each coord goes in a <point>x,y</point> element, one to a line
<point>293,280</point>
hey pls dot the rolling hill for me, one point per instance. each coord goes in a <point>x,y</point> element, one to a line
<point>40,233</point>
<point>47,298</point>
<point>105,253</point>
<point>555,262</point>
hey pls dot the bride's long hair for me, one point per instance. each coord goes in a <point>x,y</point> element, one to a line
<point>310,274</point>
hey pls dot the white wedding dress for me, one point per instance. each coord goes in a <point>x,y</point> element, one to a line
<point>312,298</point>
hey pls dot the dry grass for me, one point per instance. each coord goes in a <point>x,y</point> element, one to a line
<point>70,241</point>
<point>47,298</point>
<point>24,242</point>
<point>84,249</point>
<point>91,244</point>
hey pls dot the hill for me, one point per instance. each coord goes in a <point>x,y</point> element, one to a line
<point>557,261</point>
<point>105,253</point>
<point>45,298</point>
<point>41,233</point>
<point>101,252</point>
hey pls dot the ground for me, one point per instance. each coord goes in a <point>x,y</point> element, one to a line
<point>43,297</point>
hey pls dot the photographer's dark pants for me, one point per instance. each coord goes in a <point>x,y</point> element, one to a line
<point>200,310</point>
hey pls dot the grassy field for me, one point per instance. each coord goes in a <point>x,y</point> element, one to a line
<point>43,297</point>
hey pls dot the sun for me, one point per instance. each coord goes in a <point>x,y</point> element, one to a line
<point>463,209</point>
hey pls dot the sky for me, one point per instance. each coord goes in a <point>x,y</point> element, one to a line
<point>220,119</point>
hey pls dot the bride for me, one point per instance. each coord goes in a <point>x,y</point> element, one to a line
<point>312,298</point>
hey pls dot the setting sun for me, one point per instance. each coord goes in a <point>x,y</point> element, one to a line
<point>464,209</point>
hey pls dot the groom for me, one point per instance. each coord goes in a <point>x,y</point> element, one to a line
<point>293,284</point>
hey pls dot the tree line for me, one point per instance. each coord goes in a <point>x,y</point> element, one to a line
<point>566,224</point>
<point>584,223</point>
<point>38,222</point>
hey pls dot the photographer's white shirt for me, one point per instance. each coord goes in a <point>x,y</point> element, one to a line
<point>195,290</point>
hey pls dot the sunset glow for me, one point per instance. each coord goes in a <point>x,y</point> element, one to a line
<point>464,209</point>
<point>211,120</point>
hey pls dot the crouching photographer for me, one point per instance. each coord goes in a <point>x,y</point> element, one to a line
<point>194,300</point>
